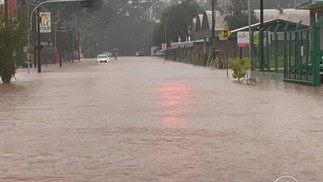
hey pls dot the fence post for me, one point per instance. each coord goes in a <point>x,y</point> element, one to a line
<point>261,52</point>
<point>316,52</point>
<point>276,47</point>
<point>298,64</point>
<point>308,52</point>
<point>267,48</point>
<point>253,50</point>
<point>285,50</point>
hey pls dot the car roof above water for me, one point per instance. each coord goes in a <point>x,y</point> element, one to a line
<point>102,55</point>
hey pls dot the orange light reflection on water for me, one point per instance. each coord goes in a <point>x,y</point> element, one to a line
<point>173,99</point>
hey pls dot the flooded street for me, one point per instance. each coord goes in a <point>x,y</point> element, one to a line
<point>143,120</point>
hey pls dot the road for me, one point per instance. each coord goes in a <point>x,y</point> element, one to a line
<point>143,120</point>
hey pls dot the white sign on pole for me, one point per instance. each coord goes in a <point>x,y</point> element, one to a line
<point>243,39</point>
<point>45,22</point>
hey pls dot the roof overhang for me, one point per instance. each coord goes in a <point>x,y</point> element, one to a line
<point>175,45</point>
<point>310,4</point>
<point>272,24</point>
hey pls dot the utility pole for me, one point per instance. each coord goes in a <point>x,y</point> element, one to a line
<point>249,25</point>
<point>165,42</point>
<point>213,27</point>
<point>78,37</point>
<point>38,42</point>
<point>261,13</point>
<point>35,42</point>
<point>60,46</point>
<point>261,34</point>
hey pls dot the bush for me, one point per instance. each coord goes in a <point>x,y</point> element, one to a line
<point>199,59</point>
<point>239,67</point>
<point>196,59</point>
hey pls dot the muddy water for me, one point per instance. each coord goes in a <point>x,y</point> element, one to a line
<point>143,120</point>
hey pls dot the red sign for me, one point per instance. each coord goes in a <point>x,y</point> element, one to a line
<point>12,8</point>
<point>243,45</point>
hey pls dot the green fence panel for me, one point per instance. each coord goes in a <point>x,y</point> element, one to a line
<point>261,49</point>
<point>285,51</point>
<point>276,47</point>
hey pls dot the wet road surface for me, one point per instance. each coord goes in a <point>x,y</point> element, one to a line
<point>140,120</point>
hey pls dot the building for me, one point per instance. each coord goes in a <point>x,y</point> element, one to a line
<point>201,33</point>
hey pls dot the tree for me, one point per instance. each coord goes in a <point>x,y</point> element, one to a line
<point>12,39</point>
<point>237,15</point>
<point>177,18</point>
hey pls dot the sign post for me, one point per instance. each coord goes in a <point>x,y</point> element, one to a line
<point>224,35</point>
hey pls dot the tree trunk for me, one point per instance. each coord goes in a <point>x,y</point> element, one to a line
<point>6,78</point>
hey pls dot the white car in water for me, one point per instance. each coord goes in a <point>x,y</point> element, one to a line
<point>103,58</point>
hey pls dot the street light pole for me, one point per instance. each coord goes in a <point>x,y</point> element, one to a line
<point>249,22</point>
<point>166,41</point>
<point>213,29</point>
<point>38,42</point>
<point>261,35</point>
<point>30,23</point>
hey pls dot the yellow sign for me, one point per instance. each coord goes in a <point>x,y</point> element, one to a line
<point>226,33</point>
<point>256,38</point>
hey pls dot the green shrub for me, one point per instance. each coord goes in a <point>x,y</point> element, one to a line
<point>239,67</point>
<point>196,59</point>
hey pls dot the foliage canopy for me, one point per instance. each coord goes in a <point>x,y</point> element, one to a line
<point>177,19</point>
<point>237,15</point>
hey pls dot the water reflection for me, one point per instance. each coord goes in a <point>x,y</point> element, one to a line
<point>174,99</point>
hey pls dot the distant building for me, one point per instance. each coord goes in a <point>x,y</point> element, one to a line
<point>202,24</point>
<point>286,14</point>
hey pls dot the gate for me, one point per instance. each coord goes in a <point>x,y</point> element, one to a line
<point>295,52</point>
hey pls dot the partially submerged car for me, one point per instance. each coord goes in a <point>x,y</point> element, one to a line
<point>103,58</point>
<point>141,52</point>
<point>161,53</point>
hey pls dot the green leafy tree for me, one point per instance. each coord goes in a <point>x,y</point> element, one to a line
<point>177,18</point>
<point>12,40</point>
<point>237,15</point>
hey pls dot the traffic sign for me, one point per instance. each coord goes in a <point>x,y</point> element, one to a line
<point>45,22</point>
<point>243,39</point>
<point>226,33</point>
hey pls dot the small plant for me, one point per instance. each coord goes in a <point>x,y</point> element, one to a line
<point>196,59</point>
<point>251,81</point>
<point>239,67</point>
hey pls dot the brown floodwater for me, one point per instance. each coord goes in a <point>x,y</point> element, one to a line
<point>143,120</point>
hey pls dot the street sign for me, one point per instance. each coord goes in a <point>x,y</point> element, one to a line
<point>225,33</point>
<point>45,22</point>
<point>243,39</point>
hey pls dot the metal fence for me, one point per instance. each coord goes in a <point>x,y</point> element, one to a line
<point>292,51</point>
